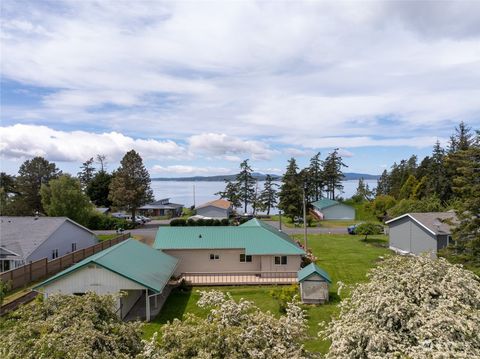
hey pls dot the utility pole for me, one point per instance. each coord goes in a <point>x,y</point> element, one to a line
<point>280,219</point>
<point>304,219</point>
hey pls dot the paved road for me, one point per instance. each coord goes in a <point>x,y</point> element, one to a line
<point>147,231</point>
<point>310,230</point>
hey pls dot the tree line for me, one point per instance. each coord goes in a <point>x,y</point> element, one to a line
<point>41,188</point>
<point>322,178</point>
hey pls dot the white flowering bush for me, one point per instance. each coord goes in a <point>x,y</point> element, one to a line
<point>69,327</point>
<point>412,307</point>
<point>231,330</point>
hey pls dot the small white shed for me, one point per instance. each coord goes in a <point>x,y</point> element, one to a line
<point>314,284</point>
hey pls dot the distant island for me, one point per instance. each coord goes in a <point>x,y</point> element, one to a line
<point>258,176</point>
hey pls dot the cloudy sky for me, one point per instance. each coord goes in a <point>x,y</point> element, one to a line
<point>197,86</point>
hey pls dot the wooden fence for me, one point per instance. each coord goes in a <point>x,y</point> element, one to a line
<point>34,271</point>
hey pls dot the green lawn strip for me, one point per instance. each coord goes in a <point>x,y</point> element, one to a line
<point>106,237</point>
<point>345,257</point>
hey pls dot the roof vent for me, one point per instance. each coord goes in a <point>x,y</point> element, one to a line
<point>199,236</point>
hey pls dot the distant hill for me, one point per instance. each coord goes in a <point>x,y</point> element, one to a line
<point>259,176</point>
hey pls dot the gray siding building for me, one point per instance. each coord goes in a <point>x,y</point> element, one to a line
<point>330,209</point>
<point>27,239</point>
<point>418,233</point>
<point>215,209</point>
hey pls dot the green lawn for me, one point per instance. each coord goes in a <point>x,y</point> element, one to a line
<point>105,237</point>
<point>346,258</point>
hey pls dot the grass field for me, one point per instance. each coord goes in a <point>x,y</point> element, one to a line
<point>346,258</point>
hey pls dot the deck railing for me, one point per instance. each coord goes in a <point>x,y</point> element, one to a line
<point>239,278</point>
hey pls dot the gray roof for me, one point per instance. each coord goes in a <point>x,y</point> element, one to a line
<point>22,235</point>
<point>435,222</point>
<point>162,204</point>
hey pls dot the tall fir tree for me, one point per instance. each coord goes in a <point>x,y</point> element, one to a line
<point>246,185</point>
<point>130,186</point>
<point>383,184</point>
<point>99,188</point>
<point>316,177</point>
<point>333,173</point>
<point>269,194</point>
<point>291,192</point>
<point>31,175</point>
<point>87,171</point>
<point>231,193</point>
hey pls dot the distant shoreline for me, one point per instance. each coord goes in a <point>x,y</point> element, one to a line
<point>258,176</point>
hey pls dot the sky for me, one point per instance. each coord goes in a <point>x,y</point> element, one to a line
<point>197,86</point>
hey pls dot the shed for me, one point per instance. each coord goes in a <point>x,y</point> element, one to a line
<point>329,209</point>
<point>314,282</point>
<point>417,233</point>
<point>218,209</point>
<point>131,267</point>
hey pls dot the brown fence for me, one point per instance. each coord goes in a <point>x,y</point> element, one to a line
<point>34,271</point>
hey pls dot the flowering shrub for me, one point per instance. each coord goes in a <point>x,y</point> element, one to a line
<point>231,330</point>
<point>69,327</point>
<point>412,307</point>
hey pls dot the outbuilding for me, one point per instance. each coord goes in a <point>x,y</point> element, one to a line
<point>217,209</point>
<point>140,272</point>
<point>329,209</point>
<point>417,233</point>
<point>314,284</point>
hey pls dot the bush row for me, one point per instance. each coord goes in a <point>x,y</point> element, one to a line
<point>98,221</point>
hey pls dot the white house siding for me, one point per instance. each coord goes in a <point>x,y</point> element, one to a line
<point>93,278</point>
<point>62,240</point>
<point>293,264</point>
<point>339,211</point>
<point>198,260</point>
<point>408,236</point>
<point>213,212</point>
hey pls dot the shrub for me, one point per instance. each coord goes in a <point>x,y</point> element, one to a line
<point>412,307</point>
<point>178,222</point>
<point>191,222</point>
<point>284,295</point>
<point>225,222</point>
<point>368,228</point>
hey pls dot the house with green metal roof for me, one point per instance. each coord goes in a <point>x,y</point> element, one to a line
<point>254,250</point>
<point>139,271</point>
<point>314,284</point>
<point>329,209</point>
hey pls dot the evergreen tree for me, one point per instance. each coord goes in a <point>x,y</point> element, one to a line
<point>102,161</point>
<point>269,195</point>
<point>462,139</point>
<point>316,178</point>
<point>8,192</point>
<point>383,184</point>
<point>291,192</point>
<point>63,197</point>
<point>231,193</point>
<point>333,174</point>
<point>31,175</point>
<point>363,192</point>
<point>130,186</point>
<point>87,172</point>
<point>408,187</point>
<point>246,184</point>
<point>99,188</point>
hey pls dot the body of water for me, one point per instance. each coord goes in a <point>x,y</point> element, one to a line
<point>183,192</point>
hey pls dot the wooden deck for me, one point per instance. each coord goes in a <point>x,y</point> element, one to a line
<point>240,278</point>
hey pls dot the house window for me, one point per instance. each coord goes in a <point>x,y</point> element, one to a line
<point>244,258</point>
<point>280,260</point>
<point>214,256</point>
<point>54,253</point>
<point>74,247</point>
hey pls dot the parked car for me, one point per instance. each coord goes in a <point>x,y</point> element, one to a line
<point>144,219</point>
<point>119,215</point>
<point>351,229</point>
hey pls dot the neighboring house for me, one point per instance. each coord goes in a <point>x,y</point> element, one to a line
<point>217,209</point>
<point>252,247</point>
<point>314,282</point>
<point>330,209</point>
<point>27,239</point>
<point>418,233</point>
<point>131,267</point>
<point>162,207</point>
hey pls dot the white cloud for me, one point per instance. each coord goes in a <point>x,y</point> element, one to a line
<point>189,170</point>
<point>24,141</point>
<point>218,144</point>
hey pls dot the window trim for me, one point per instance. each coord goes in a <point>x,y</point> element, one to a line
<point>214,257</point>
<point>246,258</point>
<point>280,260</point>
